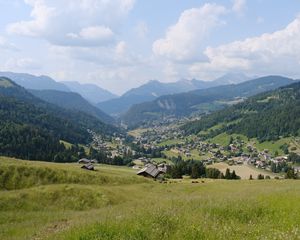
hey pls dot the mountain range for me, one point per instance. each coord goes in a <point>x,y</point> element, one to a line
<point>154,89</point>
<point>29,81</point>
<point>200,101</point>
<point>109,102</point>
<point>91,92</point>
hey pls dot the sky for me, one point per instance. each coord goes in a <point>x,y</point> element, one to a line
<point>121,44</point>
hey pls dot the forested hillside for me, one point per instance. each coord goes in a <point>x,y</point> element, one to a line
<point>31,128</point>
<point>200,101</point>
<point>266,116</point>
<point>72,101</point>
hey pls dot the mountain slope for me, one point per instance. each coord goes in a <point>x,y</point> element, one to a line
<point>72,101</point>
<point>29,81</point>
<point>200,101</point>
<point>232,78</point>
<point>149,92</point>
<point>31,128</point>
<point>91,92</point>
<point>266,116</point>
<point>154,89</point>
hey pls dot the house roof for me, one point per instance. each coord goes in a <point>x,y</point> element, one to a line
<point>150,169</point>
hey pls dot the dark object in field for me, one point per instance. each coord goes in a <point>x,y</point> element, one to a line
<point>195,182</point>
<point>88,167</point>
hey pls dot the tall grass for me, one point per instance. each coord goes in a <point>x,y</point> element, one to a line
<point>222,210</point>
<point>18,174</point>
<point>91,209</point>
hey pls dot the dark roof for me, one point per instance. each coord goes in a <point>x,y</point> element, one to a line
<point>151,170</point>
<point>88,167</point>
<point>84,160</point>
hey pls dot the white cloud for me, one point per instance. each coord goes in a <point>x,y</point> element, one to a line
<point>73,22</point>
<point>239,6</point>
<point>41,15</point>
<point>92,36</point>
<point>185,40</point>
<point>270,53</point>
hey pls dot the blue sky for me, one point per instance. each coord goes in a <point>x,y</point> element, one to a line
<point>120,44</point>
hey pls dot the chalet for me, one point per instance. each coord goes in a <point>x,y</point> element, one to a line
<point>88,166</point>
<point>151,171</point>
<point>84,160</point>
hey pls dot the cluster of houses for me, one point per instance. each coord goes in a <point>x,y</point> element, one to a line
<point>97,141</point>
<point>158,134</point>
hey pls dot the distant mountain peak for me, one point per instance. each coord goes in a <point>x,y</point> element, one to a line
<point>30,81</point>
<point>232,78</point>
<point>90,91</point>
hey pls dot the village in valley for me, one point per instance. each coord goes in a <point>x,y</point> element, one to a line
<point>153,151</point>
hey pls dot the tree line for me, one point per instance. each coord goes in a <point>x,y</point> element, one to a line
<point>196,169</point>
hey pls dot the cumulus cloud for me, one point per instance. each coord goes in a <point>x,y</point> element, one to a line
<point>270,53</point>
<point>73,22</point>
<point>41,17</point>
<point>185,40</point>
<point>93,36</point>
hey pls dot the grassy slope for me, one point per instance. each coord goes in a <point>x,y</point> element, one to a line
<point>137,132</point>
<point>18,174</point>
<point>171,142</point>
<point>120,208</point>
<point>272,146</point>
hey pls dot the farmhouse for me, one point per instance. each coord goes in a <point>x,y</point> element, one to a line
<point>84,160</point>
<point>87,161</point>
<point>88,166</point>
<point>151,171</point>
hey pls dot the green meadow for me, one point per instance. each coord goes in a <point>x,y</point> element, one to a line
<point>61,201</point>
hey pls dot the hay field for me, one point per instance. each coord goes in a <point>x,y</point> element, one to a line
<point>70,203</point>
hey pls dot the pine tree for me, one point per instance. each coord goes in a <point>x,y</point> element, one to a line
<point>195,171</point>
<point>233,175</point>
<point>227,174</point>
